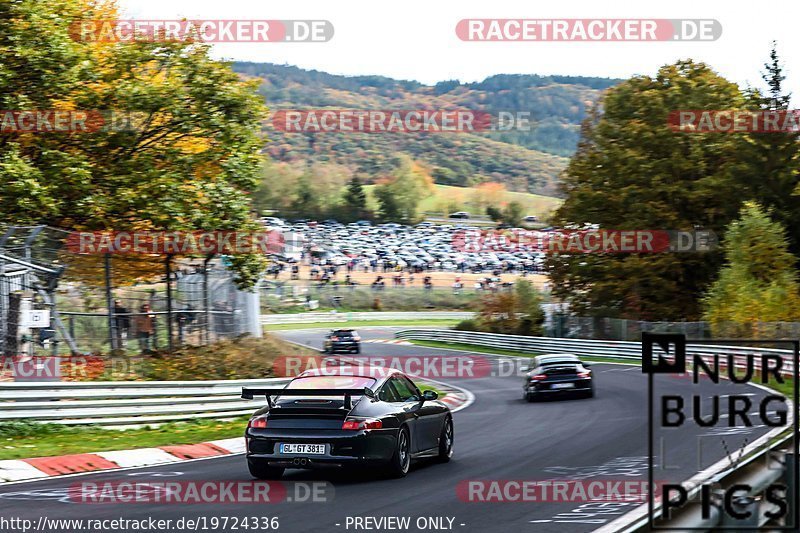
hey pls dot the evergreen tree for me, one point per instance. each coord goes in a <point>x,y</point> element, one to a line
<point>768,164</point>
<point>759,281</point>
<point>355,199</point>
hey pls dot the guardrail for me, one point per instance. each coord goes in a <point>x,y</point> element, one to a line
<point>311,318</point>
<point>765,461</point>
<point>586,347</point>
<point>771,463</point>
<point>126,402</point>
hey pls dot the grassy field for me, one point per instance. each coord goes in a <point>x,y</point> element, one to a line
<point>533,204</point>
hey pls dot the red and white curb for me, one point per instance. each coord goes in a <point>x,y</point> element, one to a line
<point>389,341</point>
<point>43,467</point>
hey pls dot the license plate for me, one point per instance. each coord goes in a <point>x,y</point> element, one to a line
<point>562,386</point>
<point>311,449</point>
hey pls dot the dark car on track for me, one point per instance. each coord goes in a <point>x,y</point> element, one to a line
<point>329,418</point>
<point>342,340</point>
<point>555,375</point>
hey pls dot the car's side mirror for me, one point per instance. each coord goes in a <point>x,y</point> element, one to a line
<point>429,395</point>
<point>587,365</point>
<point>369,393</point>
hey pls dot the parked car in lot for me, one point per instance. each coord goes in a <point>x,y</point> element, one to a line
<point>328,418</point>
<point>339,340</point>
<point>553,375</point>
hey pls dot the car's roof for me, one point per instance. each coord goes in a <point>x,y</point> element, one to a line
<point>554,358</point>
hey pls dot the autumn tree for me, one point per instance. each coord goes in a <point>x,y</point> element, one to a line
<point>632,171</point>
<point>188,161</point>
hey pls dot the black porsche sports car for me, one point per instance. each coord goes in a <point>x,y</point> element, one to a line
<point>328,418</point>
<point>554,375</point>
<point>342,340</point>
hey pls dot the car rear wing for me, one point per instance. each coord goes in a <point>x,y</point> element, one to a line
<point>348,394</point>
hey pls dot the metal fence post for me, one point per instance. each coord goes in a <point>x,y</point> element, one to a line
<point>112,322</point>
<point>168,268</point>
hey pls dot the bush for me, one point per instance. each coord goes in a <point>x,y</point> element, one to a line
<point>469,324</point>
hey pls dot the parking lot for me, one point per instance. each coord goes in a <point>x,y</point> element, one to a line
<point>364,248</point>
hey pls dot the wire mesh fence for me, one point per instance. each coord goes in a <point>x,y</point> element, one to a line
<point>109,303</point>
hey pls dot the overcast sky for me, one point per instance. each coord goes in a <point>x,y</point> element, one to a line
<point>416,39</point>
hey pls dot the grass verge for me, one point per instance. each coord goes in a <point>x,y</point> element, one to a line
<point>23,440</point>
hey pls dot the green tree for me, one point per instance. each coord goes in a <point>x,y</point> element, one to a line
<point>305,204</point>
<point>388,206</point>
<point>513,213</point>
<point>355,200</point>
<point>400,196</point>
<point>189,161</point>
<point>529,305</point>
<point>631,171</point>
<point>494,213</point>
<point>759,280</point>
<point>768,164</point>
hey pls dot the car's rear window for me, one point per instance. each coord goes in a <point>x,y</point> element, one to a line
<point>561,370</point>
<point>346,333</point>
<point>331,382</point>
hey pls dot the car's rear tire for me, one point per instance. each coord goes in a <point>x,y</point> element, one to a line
<point>530,398</point>
<point>400,462</point>
<point>262,470</point>
<point>446,441</point>
<point>358,350</point>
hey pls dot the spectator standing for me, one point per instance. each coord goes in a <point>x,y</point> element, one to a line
<point>145,323</point>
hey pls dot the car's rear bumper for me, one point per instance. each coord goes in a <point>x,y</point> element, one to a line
<point>579,386</point>
<point>342,448</point>
<point>345,346</point>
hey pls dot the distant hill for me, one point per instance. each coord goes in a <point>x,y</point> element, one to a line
<point>524,161</point>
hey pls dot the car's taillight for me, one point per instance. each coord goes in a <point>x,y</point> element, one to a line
<point>538,377</point>
<point>334,338</point>
<point>355,424</point>
<point>356,338</point>
<point>584,374</point>
<point>259,422</point>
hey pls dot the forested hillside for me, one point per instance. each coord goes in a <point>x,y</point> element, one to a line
<point>527,161</point>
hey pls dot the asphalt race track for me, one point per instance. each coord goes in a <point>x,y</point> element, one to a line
<point>498,437</point>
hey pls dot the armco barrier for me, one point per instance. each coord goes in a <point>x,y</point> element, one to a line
<point>587,347</point>
<point>311,318</point>
<point>126,402</point>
